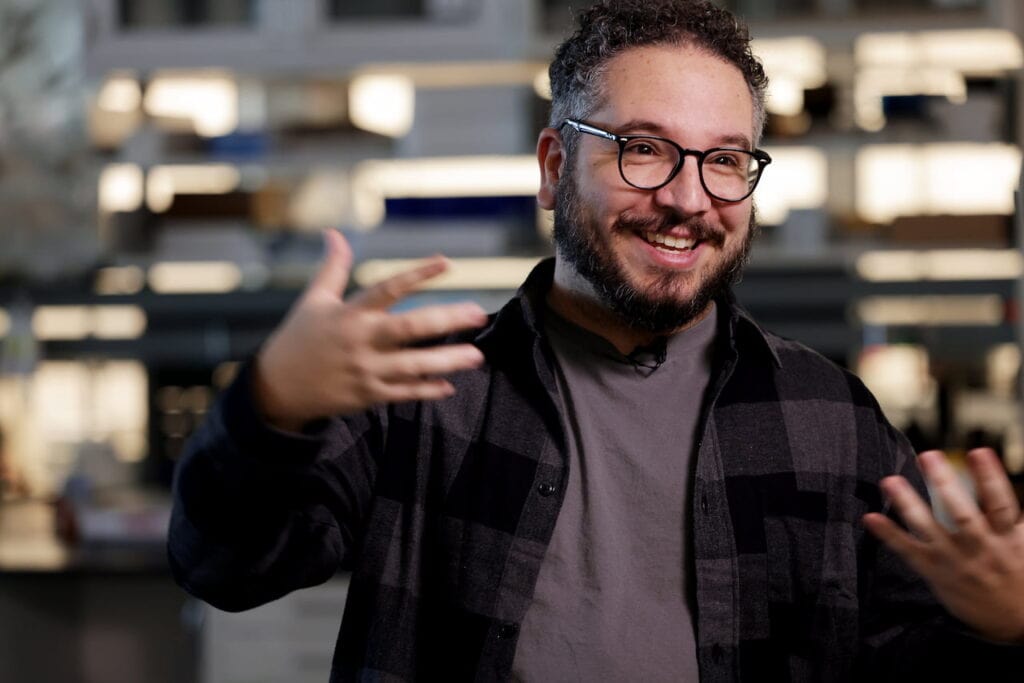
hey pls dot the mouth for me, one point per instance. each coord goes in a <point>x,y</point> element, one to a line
<point>668,243</point>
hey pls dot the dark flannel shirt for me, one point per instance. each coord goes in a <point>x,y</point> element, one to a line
<point>443,511</point>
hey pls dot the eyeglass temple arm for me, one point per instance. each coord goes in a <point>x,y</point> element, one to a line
<point>584,128</point>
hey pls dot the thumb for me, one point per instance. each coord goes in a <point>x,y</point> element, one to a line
<point>332,276</point>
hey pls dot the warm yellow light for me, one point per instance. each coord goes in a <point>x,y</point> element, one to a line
<point>897,375</point>
<point>954,310</point>
<point>120,188</point>
<point>477,176</point>
<point>793,65</point>
<point>874,83</point>
<point>940,265</point>
<point>542,84</point>
<point>785,97</point>
<point>926,63</point>
<point>120,94</point>
<point>952,178</point>
<point>969,51</point>
<point>166,181</point>
<point>120,414</point>
<point>120,280</point>
<point>209,102</point>
<point>321,201</point>
<point>181,277</point>
<point>384,103</point>
<point>463,273</point>
<point>51,323</point>
<point>796,179</point>
<point>118,322</point>
<point>1002,369</point>
<point>61,322</point>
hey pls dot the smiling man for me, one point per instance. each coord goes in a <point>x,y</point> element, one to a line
<point>620,475</point>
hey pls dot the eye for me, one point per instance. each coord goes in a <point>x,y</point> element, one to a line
<point>725,158</point>
<point>642,148</point>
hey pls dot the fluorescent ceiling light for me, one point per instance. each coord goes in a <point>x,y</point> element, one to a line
<point>926,63</point>
<point>193,277</point>
<point>970,51</point>
<point>796,179</point>
<point>120,280</point>
<point>61,322</point>
<point>875,83</point>
<point>945,178</point>
<point>383,103</point>
<point>463,273</point>
<point>118,322</point>
<point>940,265</point>
<point>956,310</point>
<point>542,84</point>
<point>792,65</point>
<point>120,188</point>
<point>321,201</point>
<point>897,375</point>
<point>165,181</point>
<point>65,323</point>
<point>120,94</point>
<point>209,102</point>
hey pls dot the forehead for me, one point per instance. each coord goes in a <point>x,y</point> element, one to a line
<point>688,91</point>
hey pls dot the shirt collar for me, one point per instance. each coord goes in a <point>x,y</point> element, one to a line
<point>519,317</point>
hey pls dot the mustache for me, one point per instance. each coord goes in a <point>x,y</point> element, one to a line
<point>698,228</point>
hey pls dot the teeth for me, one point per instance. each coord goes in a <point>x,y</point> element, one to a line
<point>669,241</point>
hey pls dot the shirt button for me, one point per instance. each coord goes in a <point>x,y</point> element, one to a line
<point>704,505</point>
<point>506,631</point>
<point>716,654</point>
<point>546,489</point>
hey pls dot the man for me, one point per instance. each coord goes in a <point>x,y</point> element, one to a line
<point>625,477</point>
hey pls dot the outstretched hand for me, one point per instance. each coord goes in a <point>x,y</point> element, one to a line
<point>975,568</point>
<point>331,356</point>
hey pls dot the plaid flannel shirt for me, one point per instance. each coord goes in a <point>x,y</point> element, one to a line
<point>443,511</point>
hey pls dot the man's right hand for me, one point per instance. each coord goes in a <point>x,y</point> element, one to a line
<point>332,356</point>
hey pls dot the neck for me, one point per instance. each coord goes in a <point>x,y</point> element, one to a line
<point>573,297</point>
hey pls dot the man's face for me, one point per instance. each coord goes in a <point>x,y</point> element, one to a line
<point>613,234</point>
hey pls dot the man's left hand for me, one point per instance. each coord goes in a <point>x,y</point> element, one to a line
<point>975,568</point>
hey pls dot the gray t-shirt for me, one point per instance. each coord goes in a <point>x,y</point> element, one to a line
<point>613,599</point>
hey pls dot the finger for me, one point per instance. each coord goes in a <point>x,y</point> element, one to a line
<point>332,276</point>
<point>434,389</point>
<point>429,322</point>
<point>995,493</point>
<point>915,513</point>
<point>419,363</point>
<point>390,291</point>
<point>896,539</point>
<point>949,489</point>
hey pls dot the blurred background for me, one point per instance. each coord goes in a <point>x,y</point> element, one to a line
<point>166,169</point>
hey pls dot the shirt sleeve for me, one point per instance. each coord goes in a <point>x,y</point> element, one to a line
<point>908,635</point>
<point>259,512</point>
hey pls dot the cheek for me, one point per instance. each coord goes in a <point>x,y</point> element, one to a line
<point>736,219</point>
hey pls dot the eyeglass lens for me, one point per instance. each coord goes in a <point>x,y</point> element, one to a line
<point>728,174</point>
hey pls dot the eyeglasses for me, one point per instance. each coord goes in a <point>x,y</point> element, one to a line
<point>648,162</point>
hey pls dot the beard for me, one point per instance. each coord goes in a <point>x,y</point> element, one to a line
<point>658,307</point>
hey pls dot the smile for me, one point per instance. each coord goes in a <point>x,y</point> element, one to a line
<point>668,242</point>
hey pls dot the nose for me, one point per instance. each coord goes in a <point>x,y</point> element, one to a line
<point>685,192</point>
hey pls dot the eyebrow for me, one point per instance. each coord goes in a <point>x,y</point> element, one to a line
<point>641,126</point>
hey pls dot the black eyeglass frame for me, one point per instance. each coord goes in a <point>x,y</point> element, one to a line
<point>759,155</point>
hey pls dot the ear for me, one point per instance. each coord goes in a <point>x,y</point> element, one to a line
<point>551,158</point>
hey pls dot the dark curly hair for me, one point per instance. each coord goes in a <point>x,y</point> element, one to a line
<point>613,26</point>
